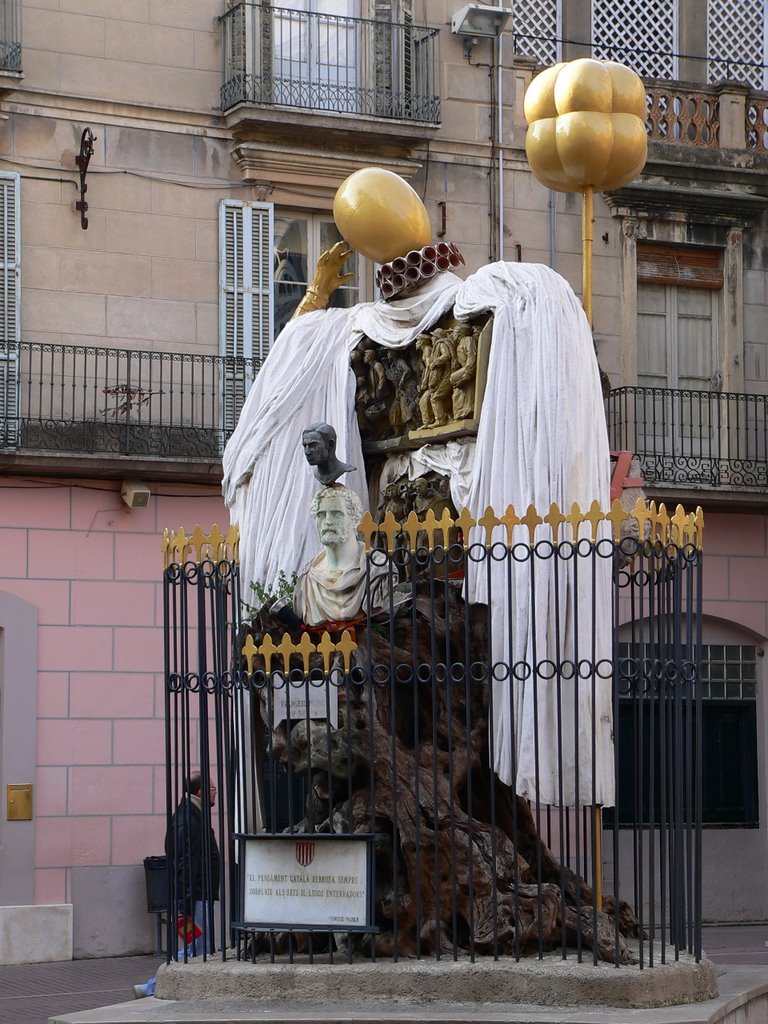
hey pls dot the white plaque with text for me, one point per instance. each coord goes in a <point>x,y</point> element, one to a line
<point>323,698</point>
<point>298,880</point>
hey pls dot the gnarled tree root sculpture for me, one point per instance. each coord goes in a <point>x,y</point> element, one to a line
<point>459,865</point>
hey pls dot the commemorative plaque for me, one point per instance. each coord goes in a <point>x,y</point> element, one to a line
<point>307,880</point>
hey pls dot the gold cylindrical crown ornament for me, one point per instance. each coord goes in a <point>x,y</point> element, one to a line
<point>586,131</point>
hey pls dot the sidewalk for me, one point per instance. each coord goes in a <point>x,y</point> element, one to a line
<point>31,993</point>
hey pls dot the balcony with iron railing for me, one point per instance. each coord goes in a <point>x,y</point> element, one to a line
<point>107,403</point>
<point>684,93</point>
<point>690,440</point>
<point>372,68</point>
<point>10,35</point>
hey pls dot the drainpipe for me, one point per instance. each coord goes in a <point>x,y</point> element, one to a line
<point>500,137</point>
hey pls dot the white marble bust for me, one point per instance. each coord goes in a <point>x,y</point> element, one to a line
<point>332,586</point>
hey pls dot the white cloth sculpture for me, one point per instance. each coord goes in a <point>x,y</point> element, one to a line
<point>542,438</point>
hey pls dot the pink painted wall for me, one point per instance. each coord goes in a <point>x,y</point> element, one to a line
<point>93,569</point>
<point>736,569</point>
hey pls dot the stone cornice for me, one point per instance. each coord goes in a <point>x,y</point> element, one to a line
<point>132,115</point>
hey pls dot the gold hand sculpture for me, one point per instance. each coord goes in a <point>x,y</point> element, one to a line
<point>327,279</point>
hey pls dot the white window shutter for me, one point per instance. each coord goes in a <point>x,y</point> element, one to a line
<point>245,297</point>
<point>10,325</point>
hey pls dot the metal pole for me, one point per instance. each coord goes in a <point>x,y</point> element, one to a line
<point>587,236</point>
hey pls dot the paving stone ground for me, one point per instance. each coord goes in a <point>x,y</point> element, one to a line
<point>31,993</point>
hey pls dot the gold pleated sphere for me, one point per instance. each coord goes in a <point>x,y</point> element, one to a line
<point>379,214</point>
<point>586,125</point>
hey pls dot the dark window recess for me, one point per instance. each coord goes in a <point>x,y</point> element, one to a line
<point>650,788</point>
<point>729,765</point>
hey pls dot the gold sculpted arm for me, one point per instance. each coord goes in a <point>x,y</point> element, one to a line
<point>327,279</point>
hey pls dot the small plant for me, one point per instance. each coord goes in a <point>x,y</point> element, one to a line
<point>282,586</point>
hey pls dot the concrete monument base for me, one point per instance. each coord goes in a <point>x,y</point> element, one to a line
<point>548,982</point>
<point>742,999</point>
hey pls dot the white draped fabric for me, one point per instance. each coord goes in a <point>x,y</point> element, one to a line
<point>541,439</point>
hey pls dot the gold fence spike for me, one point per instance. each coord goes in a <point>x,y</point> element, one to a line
<point>267,651</point>
<point>345,647</point>
<point>662,519</point>
<point>653,519</point>
<point>700,528</point>
<point>249,652</point>
<point>165,547</point>
<point>679,521</point>
<point>574,520</point>
<point>689,531</point>
<point>465,522</point>
<point>594,517</point>
<point>367,526</point>
<point>326,647</point>
<point>285,649</point>
<point>489,521</point>
<point>617,517</point>
<point>178,546</point>
<point>412,527</point>
<point>642,514</point>
<point>218,543</point>
<point>233,543</point>
<point>445,523</point>
<point>430,525</point>
<point>509,521</point>
<point>390,528</point>
<point>305,647</point>
<point>531,519</point>
<point>555,519</point>
<point>199,542</point>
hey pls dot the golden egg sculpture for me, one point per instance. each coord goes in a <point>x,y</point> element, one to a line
<point>586,125</point>
<point>379,214</point>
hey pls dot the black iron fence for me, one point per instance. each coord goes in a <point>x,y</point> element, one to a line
<point>693,438</point>
<point>319,61</point>
<point>438,777</point>
<point>86,399</point>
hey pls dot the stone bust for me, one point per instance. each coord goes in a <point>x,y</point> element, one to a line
<point>332,587</point>
<point>319,443</point>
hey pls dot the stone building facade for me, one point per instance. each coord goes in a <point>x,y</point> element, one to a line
<point>220,131</point>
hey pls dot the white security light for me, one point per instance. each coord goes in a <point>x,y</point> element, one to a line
<point>478,21</point>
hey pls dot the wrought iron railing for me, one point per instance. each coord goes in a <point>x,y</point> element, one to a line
<point>314,61</point>
<point>693,438</point>
<point>86,399</point>
<point>370,741</point>
<point>10,35</point>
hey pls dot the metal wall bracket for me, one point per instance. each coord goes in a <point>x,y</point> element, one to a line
<point>82,160</point>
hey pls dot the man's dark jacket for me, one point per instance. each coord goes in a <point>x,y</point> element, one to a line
<point>187,851</point>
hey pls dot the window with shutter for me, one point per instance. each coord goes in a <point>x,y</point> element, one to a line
<point>245,298</point>
<point>10,330</point>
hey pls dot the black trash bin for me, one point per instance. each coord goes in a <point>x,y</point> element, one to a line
<point>156,876</point>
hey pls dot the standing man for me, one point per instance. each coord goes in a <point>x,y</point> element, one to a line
<point>193,852</point>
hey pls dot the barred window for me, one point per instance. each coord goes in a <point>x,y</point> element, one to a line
<point>728,686</point>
